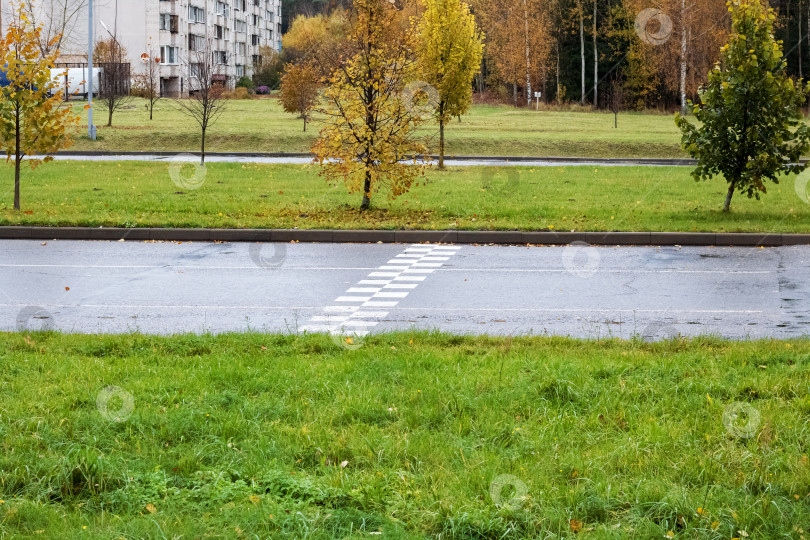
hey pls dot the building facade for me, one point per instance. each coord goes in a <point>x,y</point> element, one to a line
<point>232,32</point>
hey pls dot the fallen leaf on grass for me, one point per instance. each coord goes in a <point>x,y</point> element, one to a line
<point>151,508</point>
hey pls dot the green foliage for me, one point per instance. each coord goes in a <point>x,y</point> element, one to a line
<point>748,109</point>
<point>245,82</point>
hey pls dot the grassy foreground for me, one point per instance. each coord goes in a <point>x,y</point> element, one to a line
<point>138,194</point>
<point>262,126</point>
<point>412,435</point>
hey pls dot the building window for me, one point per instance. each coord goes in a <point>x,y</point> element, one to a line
<point>194,70</point>
<point>239,26</point>
<point>256,20</point>
<point>222,9</point>
<point>255,40</point>
<point>196,43</point>
<point>196,14</point>
<point>168,55</point>
<point>218,32</point>
<point>239,5</point>
<point>220,57</point>
<point>240,71</point>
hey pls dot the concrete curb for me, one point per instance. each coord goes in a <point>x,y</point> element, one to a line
<point>391,237</point>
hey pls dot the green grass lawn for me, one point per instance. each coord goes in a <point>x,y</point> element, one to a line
<point>138,194</point>
<point>262,126</point>
<point>285,436</point>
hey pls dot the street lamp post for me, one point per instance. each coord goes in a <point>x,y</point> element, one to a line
<point>91,129</point>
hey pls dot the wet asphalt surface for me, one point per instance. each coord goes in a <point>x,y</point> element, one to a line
<point>580,291</point>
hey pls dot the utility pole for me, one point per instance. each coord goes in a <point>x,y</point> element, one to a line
<point>91,129</point>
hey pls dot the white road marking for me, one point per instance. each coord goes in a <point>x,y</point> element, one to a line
<point>404,263</point>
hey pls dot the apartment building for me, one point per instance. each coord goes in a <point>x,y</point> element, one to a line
<point>176,30</point>
<point>232,30</point>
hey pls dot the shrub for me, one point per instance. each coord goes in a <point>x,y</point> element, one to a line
<point>245,82</point>
<point>263,90</point>
<point>240,93</point>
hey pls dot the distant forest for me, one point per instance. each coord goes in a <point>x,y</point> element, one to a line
<point>643,53</point>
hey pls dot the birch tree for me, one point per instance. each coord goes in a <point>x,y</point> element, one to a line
<point>450,51</point>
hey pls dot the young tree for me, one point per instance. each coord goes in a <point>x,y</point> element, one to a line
<point>147,83</point>
<point>299,90</point>
<point>31,122</point>
<point>747,109</point>
<point>206,85</point>
<point>450,52</point>
<point>368,130</point>
<point>114,81</point>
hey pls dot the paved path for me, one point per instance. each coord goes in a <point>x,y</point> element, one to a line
<point>300,159</point>
<point>576,290</point>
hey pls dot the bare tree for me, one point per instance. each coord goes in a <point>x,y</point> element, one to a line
<point>206,85</point>
<point>147,83</point>
<point>615,98</point>
<point>58,20</point>
<point>114,79</point>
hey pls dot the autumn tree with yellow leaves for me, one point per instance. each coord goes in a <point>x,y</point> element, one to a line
<point>31,121</point>
<point>368,139</point>
<point>450,51</point>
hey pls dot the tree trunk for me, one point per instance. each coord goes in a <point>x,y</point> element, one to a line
<point>683,57</point>
<point>514,92</point>
<point>17,160</point>
<point>582,45</point>
<point>366,192</point>
<point>305,123</point>
<point>558,72</point>
<point>801,39</point>
<point>109,117</point>
<point>729,195</point>
<point>151,109</point>
<point>441,143</point>
<point>595,61</point>
<point>528,57</point>
<point>202,149</point>
<point>615,120</point>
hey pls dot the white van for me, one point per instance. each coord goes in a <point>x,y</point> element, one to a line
<point>74,80</point>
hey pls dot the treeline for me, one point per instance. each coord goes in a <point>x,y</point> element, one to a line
<point>628,54</point>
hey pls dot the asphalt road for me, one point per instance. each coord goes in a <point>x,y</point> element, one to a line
<point>583,291</point>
